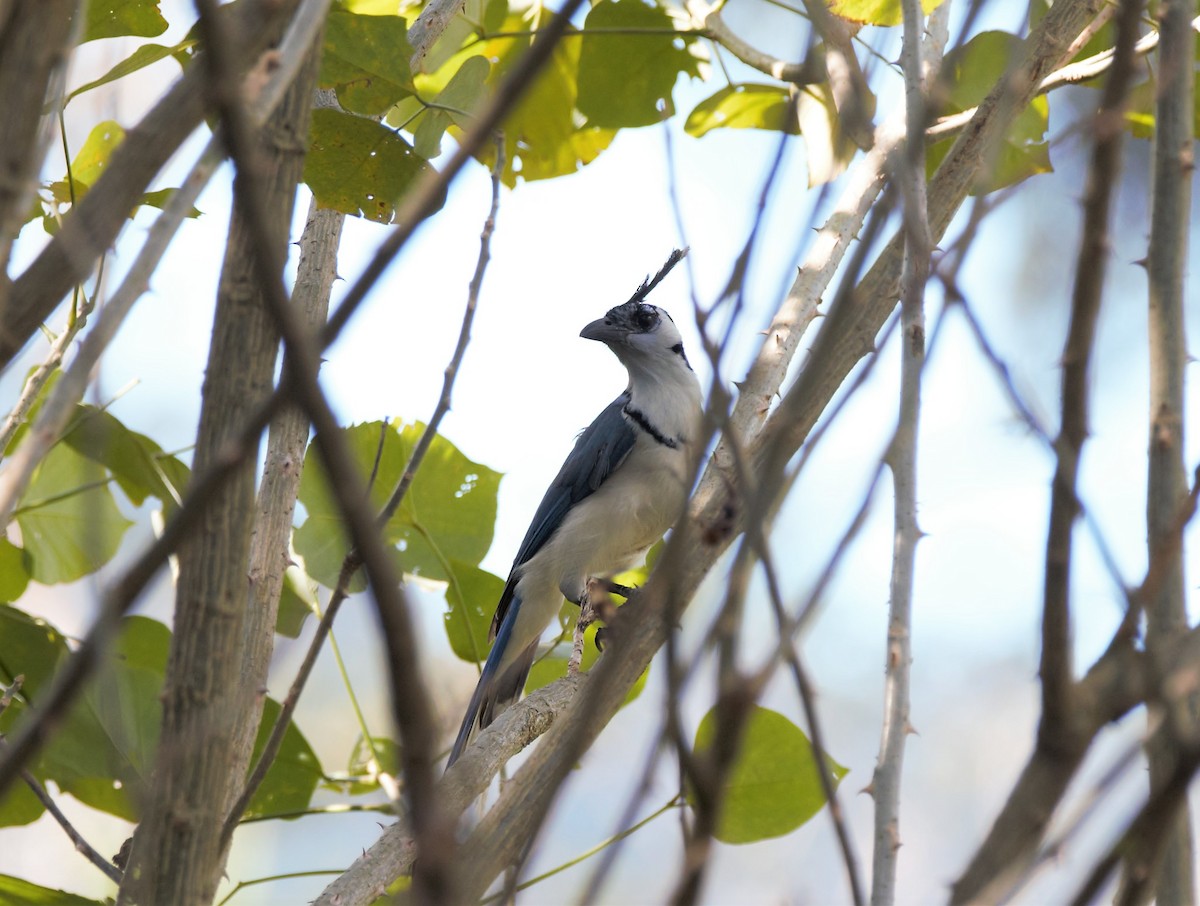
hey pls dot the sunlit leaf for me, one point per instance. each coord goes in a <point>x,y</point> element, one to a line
<point>828,150</point>
<point>104,752</point>
<point>117,18</point>
<point>626,78</point>
<point>365,769</point>
<point>91,159</point>
<point>744,106</point>
<point>552,665</point>
<point>359,167</point>
<point>31,648</point>
<point>453,104</point>
<point>296,603</point>
<point>543,135</point>
<point>877,12</point>
<point>70,525</point>
<point>15,890</point>
<point>159,198</point>
<point>143,56</point>
<point>366,60</point>
<point>773,786</point>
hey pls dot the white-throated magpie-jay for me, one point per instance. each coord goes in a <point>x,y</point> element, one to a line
<point>621,488</point>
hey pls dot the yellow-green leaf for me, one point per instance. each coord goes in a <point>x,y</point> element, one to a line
<point>93,156</point>
<point>625,78</point>
<point>359,167</point>
<point>365,60</point>
<point>773,786</point>
<point>877,12</point>
<point>70,525</point>
<point>745,106</point>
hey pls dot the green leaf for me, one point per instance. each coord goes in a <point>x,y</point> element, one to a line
<point>973,70</point>
<point>877,12</point>
<point>15,890</point>
<point>746,106</point>
<point>136,462</point>
<point>143,56</point>
<point>116,18</point>
<point>104,752</point>
<point>91,159</point>
<point>18,807</point>
<point>293,776</point>
<point>471,597</point>
<point>448,513</point>
<point>159,198</point>
<point>14,571</point>
<point>31,648</point>
<point>363,767</point>
<point>296,603</point>
<point>1141,107</point>
<point>453,104</point>
<point>359,167</point>
<point>365,61</point>
<point>626,79</point>
<point>70,525</point>
<point>773,786</point>
<point>542,135</point>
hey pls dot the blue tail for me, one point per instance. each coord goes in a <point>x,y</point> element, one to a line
<point>497,689</point>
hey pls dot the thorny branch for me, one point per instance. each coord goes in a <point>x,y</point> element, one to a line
<point>353,562</point>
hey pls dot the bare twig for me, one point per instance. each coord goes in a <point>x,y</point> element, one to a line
<point>48,803</point>
<point>902,459</point>
<point>1056,669</point>
<point>81,845</point>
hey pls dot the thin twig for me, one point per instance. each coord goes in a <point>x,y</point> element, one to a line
<point>1056,670</point>
<point>39,791</point>
<point>81,845</point>
<point>902,459</point>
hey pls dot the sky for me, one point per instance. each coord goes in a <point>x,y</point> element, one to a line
<point>566,250</point>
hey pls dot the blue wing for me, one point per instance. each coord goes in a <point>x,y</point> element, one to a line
<point>600,449</point>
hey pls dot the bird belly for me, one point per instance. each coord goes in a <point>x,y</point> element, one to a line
<point>611,530</point>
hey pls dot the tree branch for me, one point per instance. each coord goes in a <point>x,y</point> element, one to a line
<point>1166,615</point>
<point>36,37</point>
<point>92,225</point>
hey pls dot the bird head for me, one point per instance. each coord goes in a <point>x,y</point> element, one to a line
<point>641,335</point>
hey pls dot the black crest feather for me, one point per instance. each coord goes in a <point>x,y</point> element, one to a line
<point>650,282</point>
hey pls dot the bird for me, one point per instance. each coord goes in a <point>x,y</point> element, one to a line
<point>622,486</point>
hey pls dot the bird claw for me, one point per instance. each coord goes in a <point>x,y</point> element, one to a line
<point>601,634</point>
<point>615,588</point>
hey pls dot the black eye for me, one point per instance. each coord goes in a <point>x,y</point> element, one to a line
<point>646,318</point>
